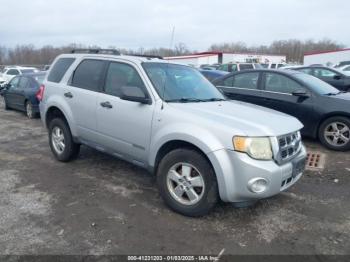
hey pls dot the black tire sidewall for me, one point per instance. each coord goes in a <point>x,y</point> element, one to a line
<point>322,128</point>
<point>71,148</point>
<point>210,197</point>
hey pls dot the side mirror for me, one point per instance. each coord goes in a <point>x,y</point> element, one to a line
<point>300,93</point>
<point>337,77</point>
<point>134,94</point>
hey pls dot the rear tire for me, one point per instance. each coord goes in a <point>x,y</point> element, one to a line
<point>61,141</point>
<point>334,133</point>
<point>29,110</point>
<point>187,182</point>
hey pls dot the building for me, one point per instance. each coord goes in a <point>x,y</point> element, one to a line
<point>225,57</point>
<point>327,57</point>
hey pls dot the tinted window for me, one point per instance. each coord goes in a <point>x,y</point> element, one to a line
<point>319,72</point>
<point>120,75</point>
<point>14,82</point>
<point>248,80</point>
<point>223,67</point>
<point>227,82</point>
<point>280,83</point>
<point>347,68</point>
<point>59,69</point>
<point>12,72</point>
<point>273,65</point>
<point>88,74</point>
<point>246,66</point>
<point>23,82</point>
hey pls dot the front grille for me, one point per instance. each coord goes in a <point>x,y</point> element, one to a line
<point>289,145</point>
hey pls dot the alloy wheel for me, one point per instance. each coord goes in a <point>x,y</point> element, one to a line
<point>337,134</point>
<point>58,141</point>
<point>185,183</point>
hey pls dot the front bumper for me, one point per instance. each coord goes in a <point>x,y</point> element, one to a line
<point>235,170</point>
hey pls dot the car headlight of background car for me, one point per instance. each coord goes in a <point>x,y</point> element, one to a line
<point>256,147</point>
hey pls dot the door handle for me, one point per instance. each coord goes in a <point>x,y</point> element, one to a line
<point>106,104</point>
<point>68,94</point>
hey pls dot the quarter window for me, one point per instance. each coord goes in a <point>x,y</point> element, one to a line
<point>59,69</point>
<point>247,80</point>
<point>88,74</point>
<point>280,83</point>
<point>120,75</point>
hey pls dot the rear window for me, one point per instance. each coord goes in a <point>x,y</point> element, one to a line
<point>59,69</point>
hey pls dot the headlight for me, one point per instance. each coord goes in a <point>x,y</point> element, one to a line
<point>255,147</point>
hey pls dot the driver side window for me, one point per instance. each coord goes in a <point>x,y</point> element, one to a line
<point>324,73</point>
<point>281,84</point>
<point>120,75</point>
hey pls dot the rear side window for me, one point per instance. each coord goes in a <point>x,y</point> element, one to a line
<point>23,82</point>
<point>59,69</point>
<point>88,74</point>
<point>247,81</point>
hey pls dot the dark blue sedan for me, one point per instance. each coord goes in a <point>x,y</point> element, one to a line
<point>211,75</point>
<point>20,93</point>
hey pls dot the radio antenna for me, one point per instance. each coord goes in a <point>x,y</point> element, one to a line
<point>167,66</point>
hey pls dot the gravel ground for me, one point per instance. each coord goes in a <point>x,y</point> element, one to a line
<point>101,205</point>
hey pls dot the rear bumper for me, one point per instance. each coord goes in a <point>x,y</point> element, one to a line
<point>235,172</point>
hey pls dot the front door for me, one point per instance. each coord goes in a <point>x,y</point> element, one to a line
<point>124,126</point>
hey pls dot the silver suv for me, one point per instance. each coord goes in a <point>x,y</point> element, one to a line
<point>169,119</point>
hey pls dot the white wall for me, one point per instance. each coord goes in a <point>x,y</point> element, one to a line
<point>242,58</point>
<point>334,58</point>
<point>197,61</point>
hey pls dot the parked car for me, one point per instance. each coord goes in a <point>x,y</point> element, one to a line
<point>20,93</point>
<point>233,67</point>
<point>323,110</point>
<point>272,65</point>
<point>168,119</point>
<point>332,76</point>
<point>213,74</point>
<point>10,72</point>
<point>345,69</point>
<point>343,63</point>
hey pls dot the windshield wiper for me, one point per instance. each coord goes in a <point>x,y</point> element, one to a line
<point>184,100</point>
<point>214,99</point>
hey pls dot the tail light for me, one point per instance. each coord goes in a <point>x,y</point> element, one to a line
<point>40,94</point>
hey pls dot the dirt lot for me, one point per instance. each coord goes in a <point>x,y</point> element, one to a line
<point>101,205</point>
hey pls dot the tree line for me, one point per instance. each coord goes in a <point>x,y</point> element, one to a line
<point>294,49</point>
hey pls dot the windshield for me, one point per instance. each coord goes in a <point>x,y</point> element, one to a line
<point>178,83</point>
<point>317,85</point>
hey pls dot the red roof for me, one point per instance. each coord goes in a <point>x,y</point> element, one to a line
<point>237,53</point>
<point>326,51</point>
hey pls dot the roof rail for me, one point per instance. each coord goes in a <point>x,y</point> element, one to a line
<point>96,51</point>
<point>148,56</point>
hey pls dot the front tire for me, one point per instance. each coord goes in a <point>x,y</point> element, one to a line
<point>187,182</point>
<point>61,141</point>
<point>334,133</point>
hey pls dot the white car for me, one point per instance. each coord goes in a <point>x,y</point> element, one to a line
<point>345,69</point>
<point>10,72</point>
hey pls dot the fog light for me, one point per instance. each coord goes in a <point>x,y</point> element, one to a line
<point>257,185</point>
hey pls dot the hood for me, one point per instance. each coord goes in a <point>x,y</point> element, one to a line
<point>249,119</point>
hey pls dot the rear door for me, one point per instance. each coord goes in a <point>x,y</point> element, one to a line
<point>279,88</point>
<point>19,95</point>
<point>124,126</point>
<point>81,95</point>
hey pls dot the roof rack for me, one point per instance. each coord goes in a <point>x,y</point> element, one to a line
<point>147,56</point>
<point>96,51</point>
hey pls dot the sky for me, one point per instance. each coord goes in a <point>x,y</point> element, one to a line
<point>149,23</point>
